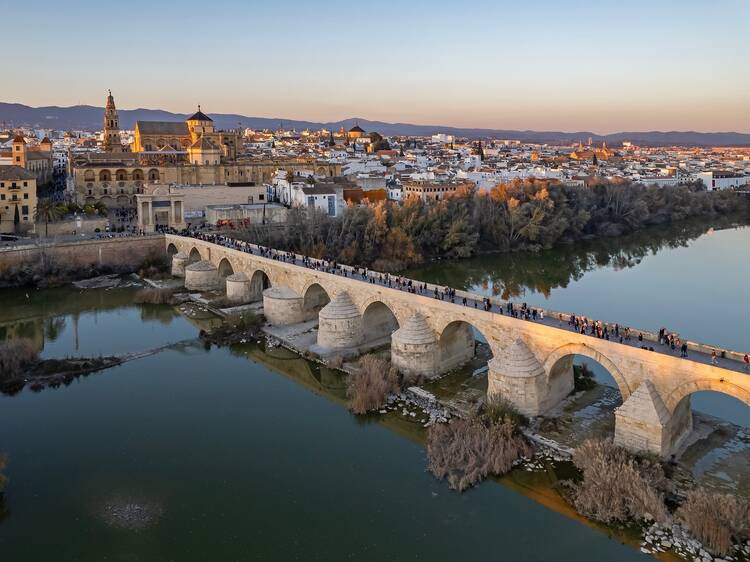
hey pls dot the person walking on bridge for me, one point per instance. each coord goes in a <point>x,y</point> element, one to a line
<point>746,361</point>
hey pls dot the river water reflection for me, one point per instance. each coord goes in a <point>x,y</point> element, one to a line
<point>235,455</point>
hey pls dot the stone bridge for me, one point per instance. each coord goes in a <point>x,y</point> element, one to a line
<point>531,362</point>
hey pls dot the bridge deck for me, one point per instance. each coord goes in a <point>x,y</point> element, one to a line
<point>697,352</point>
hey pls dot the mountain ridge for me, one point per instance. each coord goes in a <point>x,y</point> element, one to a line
<point>89,118</point>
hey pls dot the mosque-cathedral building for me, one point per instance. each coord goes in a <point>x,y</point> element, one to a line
<point>191,152</point>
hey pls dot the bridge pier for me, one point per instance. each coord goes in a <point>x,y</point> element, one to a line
<point>644,424</point>
<point>202,276</point>
<point>238,288</point>
<point>179,262</point>
<point>339,325</point>
<point>415,349</point>
<point>282,306</point>
<point>516,375</point>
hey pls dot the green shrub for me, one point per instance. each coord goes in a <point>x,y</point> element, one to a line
<point>498,409</point>
<point>583,378</point>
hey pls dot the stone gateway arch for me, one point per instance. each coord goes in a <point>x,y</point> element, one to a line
<point>531,362</point>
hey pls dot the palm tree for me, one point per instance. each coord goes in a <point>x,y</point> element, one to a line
<point>47,211</point>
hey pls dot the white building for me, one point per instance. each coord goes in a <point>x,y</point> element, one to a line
<point>661,181</point>
<point>442,138</point>
<point>395,193</point>
<point>320,197</point>
<point>723,180</point>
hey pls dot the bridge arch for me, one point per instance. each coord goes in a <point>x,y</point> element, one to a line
<point>457,344</point>
<point>378,321</point>
<point>259,282</point>
<point>194,255</point>
<point>225,268</point>
<point>554,364</point>
<point>678,394</point>
<point>314,298</point>
<point>171,249</point>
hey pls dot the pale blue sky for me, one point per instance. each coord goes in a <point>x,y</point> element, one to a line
<point>570,65</point>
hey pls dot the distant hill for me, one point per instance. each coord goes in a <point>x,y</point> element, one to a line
<point>89,118</point>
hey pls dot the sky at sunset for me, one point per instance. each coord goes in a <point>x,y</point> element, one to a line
<point>568,65</point>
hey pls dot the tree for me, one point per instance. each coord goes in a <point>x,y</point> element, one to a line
<point>101,208</point>
<point>47,211</point>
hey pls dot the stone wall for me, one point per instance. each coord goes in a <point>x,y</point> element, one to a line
<point>68,227</point>
<point>108,252</point>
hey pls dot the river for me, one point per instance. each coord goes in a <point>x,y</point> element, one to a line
<point>250,454</point>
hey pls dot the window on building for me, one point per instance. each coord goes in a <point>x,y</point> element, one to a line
<point>25,195</point>
<point>24,209</point>
<point>260,197</point>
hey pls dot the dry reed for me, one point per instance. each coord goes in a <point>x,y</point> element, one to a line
<point>370,386</point>
<point>467,451</point>
<point>715,519</point>
<point>617,486</point>
<point>154,296</point>
<point>15,357</point>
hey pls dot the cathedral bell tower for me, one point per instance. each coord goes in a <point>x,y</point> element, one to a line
<point>111,127</point>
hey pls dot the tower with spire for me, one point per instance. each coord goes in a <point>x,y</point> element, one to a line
<point>111,126</point>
